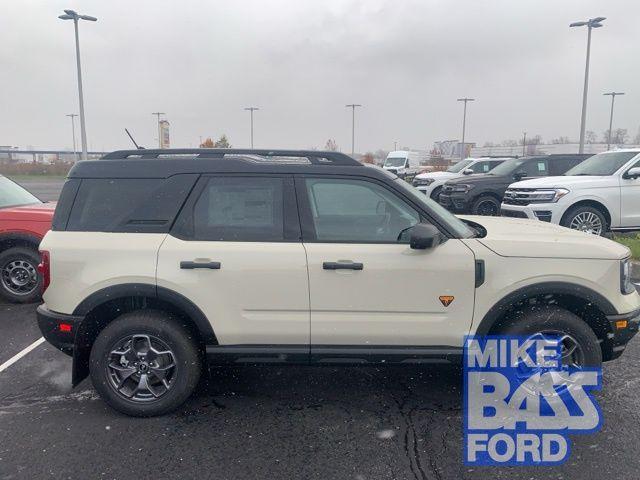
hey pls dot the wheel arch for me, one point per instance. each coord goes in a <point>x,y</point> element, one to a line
<point>18,239</point>
<point>588,203</point>
<point>105,305</point>
<point>589,305</point>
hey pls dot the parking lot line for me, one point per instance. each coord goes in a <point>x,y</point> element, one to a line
<point>20,354</point>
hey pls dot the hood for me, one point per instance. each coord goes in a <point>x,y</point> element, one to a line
<point>36,212</point>
<point>514,237</point>
<point>570,182</point>
<point>482,178</point>
<point>440,175</point>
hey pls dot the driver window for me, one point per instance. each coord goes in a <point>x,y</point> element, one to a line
<point>358,211</point>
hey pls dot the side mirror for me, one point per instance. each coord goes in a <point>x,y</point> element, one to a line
<point>632,173</point>
<point>519,175</point>
<point>424,236</point>
<point>467,171</point>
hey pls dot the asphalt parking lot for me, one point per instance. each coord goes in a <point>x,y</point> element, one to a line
<point>276,422</point>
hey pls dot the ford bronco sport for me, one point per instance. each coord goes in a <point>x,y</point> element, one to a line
<point>161,260</point>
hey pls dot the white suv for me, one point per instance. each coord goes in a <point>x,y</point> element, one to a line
<point>600,194</point>
<point>431,183</point>
<point>161,260</point>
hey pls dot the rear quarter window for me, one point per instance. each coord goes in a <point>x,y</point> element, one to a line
<point>136,205</point>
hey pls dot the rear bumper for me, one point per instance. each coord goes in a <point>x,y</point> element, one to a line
<point>623,328</point>
<point>58,329</point>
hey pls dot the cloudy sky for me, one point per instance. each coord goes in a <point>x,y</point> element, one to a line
<point>301,61</point>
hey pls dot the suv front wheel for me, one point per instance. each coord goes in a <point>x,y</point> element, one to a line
<point>144,363</point>
<point>580,347</point>
<point>586,219</point>
<point>20,281</point>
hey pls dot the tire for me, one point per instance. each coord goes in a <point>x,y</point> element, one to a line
<point>20,281</point>
<point>138,330</point>
<point>436,193</point>
<point>585,219</point>
<point>550,318</point>
<point>486,205</point>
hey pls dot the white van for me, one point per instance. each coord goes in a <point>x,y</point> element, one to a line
<point>406,163</point>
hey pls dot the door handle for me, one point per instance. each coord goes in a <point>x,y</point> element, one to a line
<point>342,266</point>
<point>185,265</point>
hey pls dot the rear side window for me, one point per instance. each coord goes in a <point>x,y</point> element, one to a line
<point>240,209</point>
<point>128,204</point>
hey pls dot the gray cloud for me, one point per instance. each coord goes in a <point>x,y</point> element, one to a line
<point>302,61</point>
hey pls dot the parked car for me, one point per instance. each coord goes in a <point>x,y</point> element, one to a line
<point>431,183</point>
<point>24,219</point>
<point>155,265</point>
<point>482,194</point>
<point>600,194</point>
<point>405,163</point>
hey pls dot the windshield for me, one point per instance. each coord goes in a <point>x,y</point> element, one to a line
<point>452,222</point>
<point>508,167</point>
<point>458,167</point>
<point>602,164</point>
<point>395,162</point>
<point>12,194</point>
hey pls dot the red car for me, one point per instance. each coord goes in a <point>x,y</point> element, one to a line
<point>24,219</point>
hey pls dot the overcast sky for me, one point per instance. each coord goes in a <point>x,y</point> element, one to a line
<point>301,61</point>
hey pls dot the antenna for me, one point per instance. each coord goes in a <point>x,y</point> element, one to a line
<point>134,142</point>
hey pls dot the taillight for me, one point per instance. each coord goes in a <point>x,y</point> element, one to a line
<point>44,267</point>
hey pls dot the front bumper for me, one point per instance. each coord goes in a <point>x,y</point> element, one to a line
<point>456,203</point>
<point>546,212</point>
<point>623,328</point>
<point>58,329</point>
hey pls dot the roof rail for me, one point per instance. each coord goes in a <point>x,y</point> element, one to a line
<point>315,157</point>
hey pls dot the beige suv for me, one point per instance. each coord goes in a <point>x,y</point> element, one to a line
<point>160,261</point>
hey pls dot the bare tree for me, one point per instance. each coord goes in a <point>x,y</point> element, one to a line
<point>590,137</point>
<point>561,140</point>
<point>331,145</point>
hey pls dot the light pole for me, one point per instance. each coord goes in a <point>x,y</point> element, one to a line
<point>251,110</point>
<point>73,133</point>
<point>464,123</point>
<point>524,143</point>
<point>157,114</point>
<point>72,15</point>
<point>613,98</point>
<point>353,107</point>
<point>395,146</point>
<point>591,23</point>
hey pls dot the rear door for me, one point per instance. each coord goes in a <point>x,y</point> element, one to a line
<point>235,252</point>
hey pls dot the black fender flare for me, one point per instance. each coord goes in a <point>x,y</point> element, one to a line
<point>545,288</point>
<point>148,290</point>
<point>21,237</point>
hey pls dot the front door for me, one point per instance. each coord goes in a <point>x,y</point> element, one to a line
<point>368,288</point>
<point>236,253</point>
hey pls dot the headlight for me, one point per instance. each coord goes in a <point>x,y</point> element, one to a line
<point>423,181</point>
<point>463,187</point>
<point>626,286</point>
<point>547,195</point>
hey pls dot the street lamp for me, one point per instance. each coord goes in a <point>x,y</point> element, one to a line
<point>251,110</point>
<point>72,15</point>
<point>524,144</point>
<point>157,114</point>
<point>353,107</point>
<point>73,133</point>
<point>591,24</point>
<point>464,122</point>
<point>613,98</point>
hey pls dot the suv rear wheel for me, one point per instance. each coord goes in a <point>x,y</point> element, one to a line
<point>20,281</point>
<point>145,364</point>
<point>586,219</point>
<point>580,347</point>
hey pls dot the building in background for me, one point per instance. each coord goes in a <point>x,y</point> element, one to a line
<point>164,134</point>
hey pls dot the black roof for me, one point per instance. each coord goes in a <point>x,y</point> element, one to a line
<point>164,163</point>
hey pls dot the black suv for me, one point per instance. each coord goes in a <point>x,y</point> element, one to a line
<point>482,194</point>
